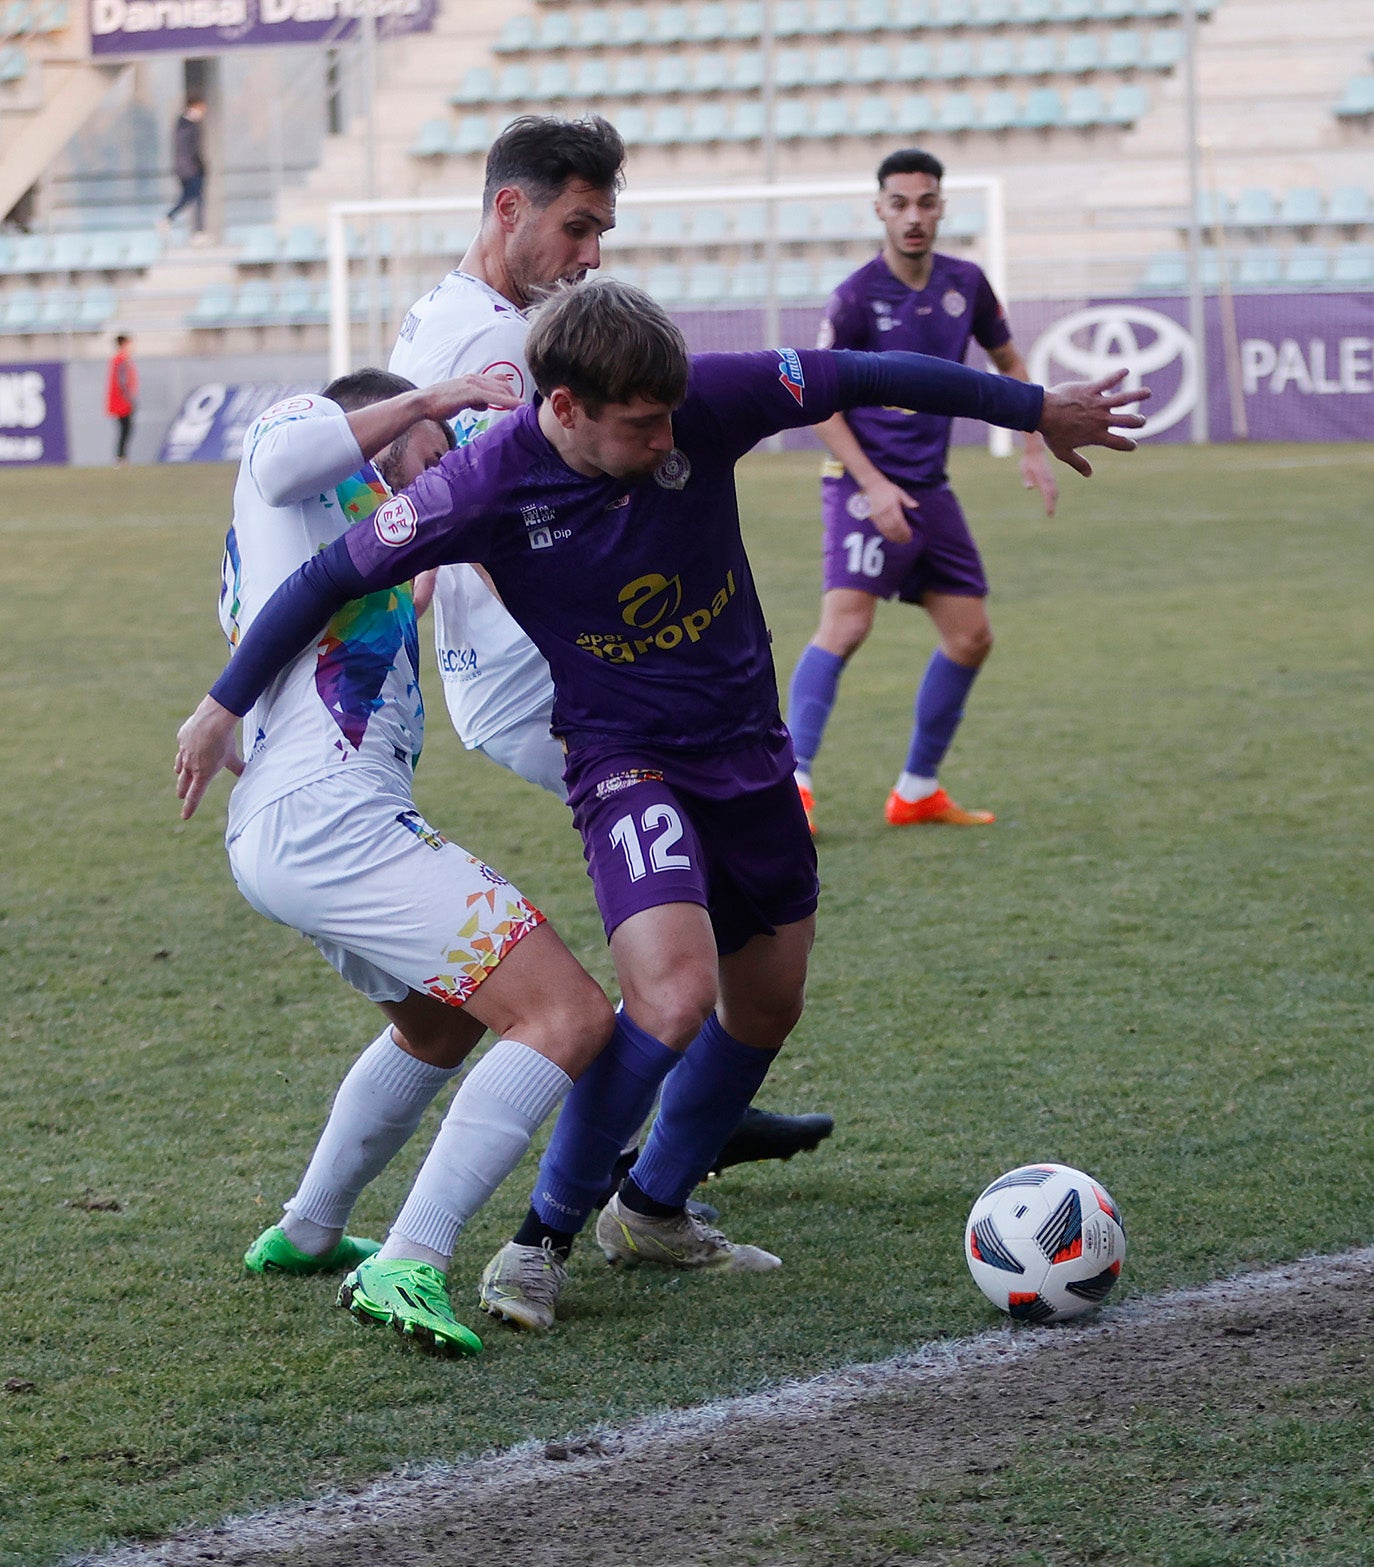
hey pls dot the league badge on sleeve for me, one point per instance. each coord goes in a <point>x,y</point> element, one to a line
<point>396,521</point>
<point>790,374</point>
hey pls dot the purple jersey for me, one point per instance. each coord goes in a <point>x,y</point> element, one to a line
<point>874,310</point>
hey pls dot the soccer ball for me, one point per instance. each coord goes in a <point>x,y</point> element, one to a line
<point>1045,1242</point>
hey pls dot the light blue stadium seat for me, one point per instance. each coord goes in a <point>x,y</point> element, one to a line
<point>874,116</point>
<point>1254,208</point>
<point>746,121</point>
<point>18,19</point>
<point>52,16</point>
<point>709,224</point>
<point>112,249</point>
<point>433,140</point>
<point>952,13</point>
<point>633,124</point>
<point>746,74</point>
<point>707,284</point>
<point>1348,205</point>
<point>555,31</point>
<point>214,307</point>
<point>1082,54</point>
<point>1124,51</point>
<point>844,218</point>
<point>872,64</point>
<point>667,284</point>
<point>1352,266</point>
<point>790,19</point>
<point>999,111</point>
<point>1076,10</point>
<point>668,125</point>
<point>1129,104</point>
<point>830,66</point>
<point>1358,99</point>
<point>871,16</point>
<point>1044,109</point>
<point>1165,49</point>
<point>57,310</point>
<point>630,226</point>
<point>13,64</point>
<point>304,243</point>
<point>746,20</point>
<point>796,220</point>
<point>710,72</point>
<point>953,60</point>
<point>964,221</point>
<point>22,310</point>
<point>1086,107</point>
<point>1259,267</point>
<point>669,25</point>
<point>833,118</point>
<point>517,35</point>
<point>1119,10</point>
<point>797,279</point>
<point>1301,207</point>
<point>96,307</point>
<point>748,282</point>
<point>829,17</point>
<point>994,13</point>
<point>592,78</point>
<point>32,253</point>
<point>514,84</point>
<point>909,14</point>
<point>792,119</point>
<point>70,252</point>
<point>710,22</point>
<point>478,86</point>
<point>553,79</point>
<point>1034,13</point>
<point>1213,208</point>
<point>1158,9</point>
<point>1165,273</point>
<point>914,62</point>
<point>592,28</point>
<point>665,226</point>
<point>957,112</point>
<point>707,122</point>
<point>1306,266</point>
<point>259,245</point>
<point>668,75</point>
<point>6,251</point>
<point>793,68</point>
<point>997,57</point>
<point>915,113</point>
<point>749,221</point>
<point>473,134</point>
<point>362,300</point>
<point>254,304</point>
<point>295,305</point>
<point>630,77</point>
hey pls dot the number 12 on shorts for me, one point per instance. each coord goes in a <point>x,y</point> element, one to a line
<point>667,824</point>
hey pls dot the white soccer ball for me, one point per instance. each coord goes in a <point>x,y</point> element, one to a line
<point>1045,1242</point>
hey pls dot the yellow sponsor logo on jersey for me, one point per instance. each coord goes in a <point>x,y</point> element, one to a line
<point>649,602</point>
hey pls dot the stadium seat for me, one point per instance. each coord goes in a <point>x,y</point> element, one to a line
<point>1259,267</point>
<point>1085,107</point>
<point>433,140</point>
<point>957,112</point>
<point>710,72</point>
<point>833,118</point>
<point>953,60</point>
<point>874,117</point>
<point>792,68</point>
<point>913,62</point>
<point>1035,13</point>
<point>1357,102</point>
<point>952,13</point>
<point>111,249</point>
<point>591,78</point>
<point>633,124</point>
<point>1082,54</point>
<point>1158,9</point>
<point>709,224</point>
<point>1076,11</point>
<point>790,18</point>
<point>999,111</point>
<point>1213,208</point>
<point>22,310</point>
<point>57,310</point>
<point>797,279</point>
<point>994,13</point>
<point>630,224</point>
<point>796,221</point>
<point>749,222</point>
<point>909,14</point>
<point>1166,273</point>
<point>630,77</point>
<point>214,307</point>
<point>592,28</point>
<point>13,64</point>
<point>667,125</point>
<point>997,57</point>
<point>708,284</point>
<point>1165,49</point>
<point>517,35</point>
<point>1301,207</point>
<point>1044,110</point>
<point>6,251</point>
<point>915,114</point>
<point>555,31</point>
<point>96,308</point>
<point>668,75</point>
<point>1348,205</point>
<point>478,86</point>
<point>553,79</point>
<point>1353,266</point>
<point>746,21</point>
<point>746,121</point>
<point>872,65</point>
<point>70,252</point>
<point>667,284</point>
<point>473,135</point>
<point>18,19</point>
<point>871,16</point>
<point>707,122</point>
<point>303,243</point>
<point>1118,10</point>
<point>830,66</point>
<point>1254,208</point>
<point>1128,105</point>
<point>963,221</point>
<point>1307,266</point>
<point>669,25</point>
<point>829,17</point>
<point>792,119</point>
<point>710,22</point>
<point>1125,50</point>
<point>514,84</point>
<point>665,226</point>
<point>299,303</point>
<point>254,304</point>
<point>748,281</point>
<point>31,253</point>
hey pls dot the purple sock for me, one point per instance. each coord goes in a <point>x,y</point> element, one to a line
<point>605,1108</point>
<point>702,1103</point>
<point>939,706</point>
<point>815,681</point>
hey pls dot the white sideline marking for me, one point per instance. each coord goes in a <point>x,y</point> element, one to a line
<point>291,1526</point>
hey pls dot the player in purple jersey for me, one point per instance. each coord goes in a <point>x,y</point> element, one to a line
<point>892,526</point>
<point>607,517</point>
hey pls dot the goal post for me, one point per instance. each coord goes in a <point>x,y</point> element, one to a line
<point>365,262</point>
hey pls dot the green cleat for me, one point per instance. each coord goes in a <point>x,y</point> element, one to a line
<point>413,1298</point>
<point>273,1253</point>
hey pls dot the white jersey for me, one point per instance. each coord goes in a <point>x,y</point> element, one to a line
<point>494,676</point>
<point>352,700</point>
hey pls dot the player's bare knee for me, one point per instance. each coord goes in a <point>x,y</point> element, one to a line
<point>970,648</point>
<point>674,1009</point>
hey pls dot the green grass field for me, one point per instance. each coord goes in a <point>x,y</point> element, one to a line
<point>1157,965</point>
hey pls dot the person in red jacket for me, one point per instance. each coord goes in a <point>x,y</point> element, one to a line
<point>121,395</point>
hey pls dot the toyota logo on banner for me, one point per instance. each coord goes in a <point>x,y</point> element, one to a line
<point>1105,338</point>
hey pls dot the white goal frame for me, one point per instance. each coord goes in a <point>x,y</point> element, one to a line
<point>993,239</point>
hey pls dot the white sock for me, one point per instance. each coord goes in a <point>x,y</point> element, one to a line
<point>910,787</point>
<point>375,1112</point>
<point>506,1098</point>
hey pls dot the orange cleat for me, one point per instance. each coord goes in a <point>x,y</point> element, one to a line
<point>808,801</point>
<point>937,809</point>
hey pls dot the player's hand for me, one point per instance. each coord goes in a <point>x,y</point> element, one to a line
<point>1087,413</point>
<point>1036,474</point>
<point>471,391</point>
<point>205,744</point>
<point>888,505</point>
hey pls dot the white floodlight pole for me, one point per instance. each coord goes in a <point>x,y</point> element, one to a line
<point>1197,319</point>
<point>995,239</point>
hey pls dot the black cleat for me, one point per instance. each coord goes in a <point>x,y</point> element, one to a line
<point>764,1134</point>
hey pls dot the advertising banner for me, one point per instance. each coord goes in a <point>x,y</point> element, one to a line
<point>125,28</point>
<point>214,418</point>
<point>33,415</point>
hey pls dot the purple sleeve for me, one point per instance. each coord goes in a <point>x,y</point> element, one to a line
<point>928,385</point>
<point>845,324</point>
<point>990,325</point>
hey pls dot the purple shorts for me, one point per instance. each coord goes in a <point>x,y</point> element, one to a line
<point>727,832</point>
<point>941,557</point>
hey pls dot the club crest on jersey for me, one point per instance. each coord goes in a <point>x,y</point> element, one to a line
<point>674,471</point>
<point>396,521</point>
<point>790,374</point>
<point>954,302</point>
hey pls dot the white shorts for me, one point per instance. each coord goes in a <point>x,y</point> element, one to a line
<point>390,902</point>
<point>530,751</point>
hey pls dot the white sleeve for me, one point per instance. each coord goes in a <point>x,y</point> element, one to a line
<point>300,447</point>
<point>498,346</point>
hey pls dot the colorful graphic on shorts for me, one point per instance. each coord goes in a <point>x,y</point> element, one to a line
<point>499,918</point>
<point>412,821</point>
<point>360,645</point>
<point>231,588</point>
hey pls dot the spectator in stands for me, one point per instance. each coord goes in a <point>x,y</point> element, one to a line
<point>121,396</point>
<point>188,164</point>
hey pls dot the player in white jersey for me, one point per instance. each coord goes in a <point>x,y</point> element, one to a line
<point>324,836</point>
